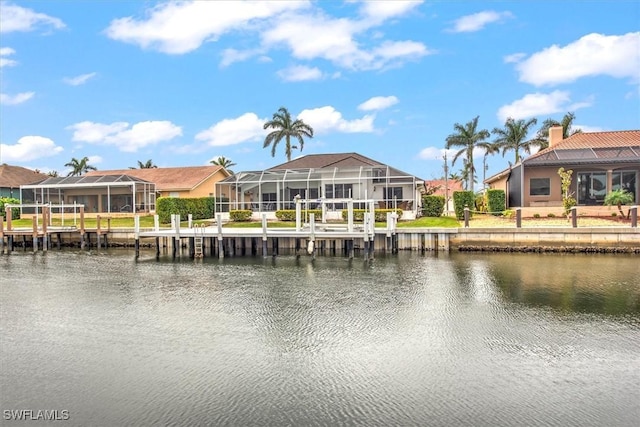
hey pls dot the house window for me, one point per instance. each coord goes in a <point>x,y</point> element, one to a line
<point>338,191</point>
<point>625,180</point>
<point>392,192</point>
<point>592,187</point>
<point>269,201</point>
<point>539,186</point>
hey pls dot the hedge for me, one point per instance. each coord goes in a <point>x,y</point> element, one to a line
<point>380,214</point>
<point>240,215</point>
<point>496,201</point>
<point>462,199</point>
<point>199,208</point>
<point>290,214</point>
<point>15,212</point>
<point>432,205</point>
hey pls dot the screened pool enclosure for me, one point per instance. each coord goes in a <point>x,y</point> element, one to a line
<point>271,190</point>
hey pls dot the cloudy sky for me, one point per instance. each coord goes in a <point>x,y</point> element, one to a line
<point>182,83</point>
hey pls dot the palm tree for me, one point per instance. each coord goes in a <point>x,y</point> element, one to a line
<point>513,136</point>
<point>619,197</point>
<point>146,165</point>
<point>467,137</point>
<point>53,174</point>
<point>79,167</point>
<point>287,129</point>
<point>566,123</point>
<point>224,162</point>
<point>490,148</point>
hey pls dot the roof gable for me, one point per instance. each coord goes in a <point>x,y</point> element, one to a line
<point>15,176</point>
<point>168,179</point>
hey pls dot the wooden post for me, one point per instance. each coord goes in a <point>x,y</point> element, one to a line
<point>34,220</point>
<point>350,216</point>
<point>1,234</point>
<point>312,223</point>
<point>98,236</point>
<point>264,235</point>
<point>220,238</point>
<point>574,217</point>
<point>136,234</point>
<point>9,213</point>
<point>45,222</point>
<point>82,243</point>
<point>157,247</point>
<point>518,218</point>
<point>466,217</point>
<point>633,211</point>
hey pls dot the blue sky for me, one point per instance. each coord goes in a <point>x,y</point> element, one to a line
<point>182,83</point>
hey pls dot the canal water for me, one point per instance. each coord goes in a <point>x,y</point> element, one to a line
<point>404,340</point>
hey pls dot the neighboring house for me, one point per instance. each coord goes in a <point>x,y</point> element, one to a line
<point>128,190</point>
<point>328,180</point>
<point>444,188</point>
<point>600,161</point>
<point>183,182</point>
<point>12,177</point>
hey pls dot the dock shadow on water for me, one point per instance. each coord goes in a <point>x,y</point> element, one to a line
<point>440,339</point>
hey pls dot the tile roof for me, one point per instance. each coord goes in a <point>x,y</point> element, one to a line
<point>167,179</point>
<point>15,176</point>
<point>591,148</point>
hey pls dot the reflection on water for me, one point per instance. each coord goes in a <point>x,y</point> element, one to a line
<point>441,339</point>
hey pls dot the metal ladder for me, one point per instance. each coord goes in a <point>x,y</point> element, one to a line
<point>198,240</point>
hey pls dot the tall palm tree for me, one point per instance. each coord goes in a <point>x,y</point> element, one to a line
<point>467,137</point>
<point>53,174</point>
<point>286,128</point>
<point>567,131</point>
<point>79,167</point>
<point>224,162</point>
<point>490,148</point>
<point>146,165</point>
<point>514,136</point>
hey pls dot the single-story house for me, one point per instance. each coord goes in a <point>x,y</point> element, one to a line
<point>129,190</point>
<point>444,188</point>
<point>12,177</point>
<point>601,162</point>
<point>322,179</point>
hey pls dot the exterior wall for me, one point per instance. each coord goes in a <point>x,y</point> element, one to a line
<point>206,188</point>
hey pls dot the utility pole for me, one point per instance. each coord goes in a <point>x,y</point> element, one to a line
<point>446,185</point>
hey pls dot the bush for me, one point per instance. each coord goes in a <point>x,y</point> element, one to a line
<point>462,199</point>
<point>536,215</point>
<point>15,212</point>
<point>199,208</point>
<point>480,203</point>
<point>240,215</point>
<point>290,214</point>
<point>432,205</point>
<point>551,215</point>
<point>509,213</point>
<point>614,214</point>
<point>380,214</point>
<point>496,201</point>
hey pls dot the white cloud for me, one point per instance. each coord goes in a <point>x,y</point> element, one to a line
<point>514,58</point>
<point>29,148</point>
<point>591,55</point>
<point>6,62</point>
<point>126,138</point>
<point>382,10</point>
<point>15,99</point>
<point>536,104</point>
<point>230,56</point>
<point>299,73</point>
<point>319,36</point>
<point>327,119</point>
<point>247,127</point>
<point>378,103</point>
<point>478,21</point>
<point>95,160</point>
<point>181,27</point>
<point>79,80</point>
<point>586,128</point>
<point>16,18</point>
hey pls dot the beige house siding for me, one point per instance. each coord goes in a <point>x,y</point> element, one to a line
<point>206,188</point>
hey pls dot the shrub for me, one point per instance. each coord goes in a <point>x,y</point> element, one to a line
<point>462,199</point>
<point>199,208</point>
<point>496,201</point>
<point>481,202</point>
<point>614,214</point>
<point>551,215</point>
<point>432,205</point>
<point>380,214</point>
<point>290,214</point>
<point>536,215</point>
<point>15,212</point>
<point>240,215</point>
<point>509,213</point>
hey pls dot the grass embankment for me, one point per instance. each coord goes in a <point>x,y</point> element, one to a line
<point>478,221</point>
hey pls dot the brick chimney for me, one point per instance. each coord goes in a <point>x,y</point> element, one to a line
<point>555,135</point>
